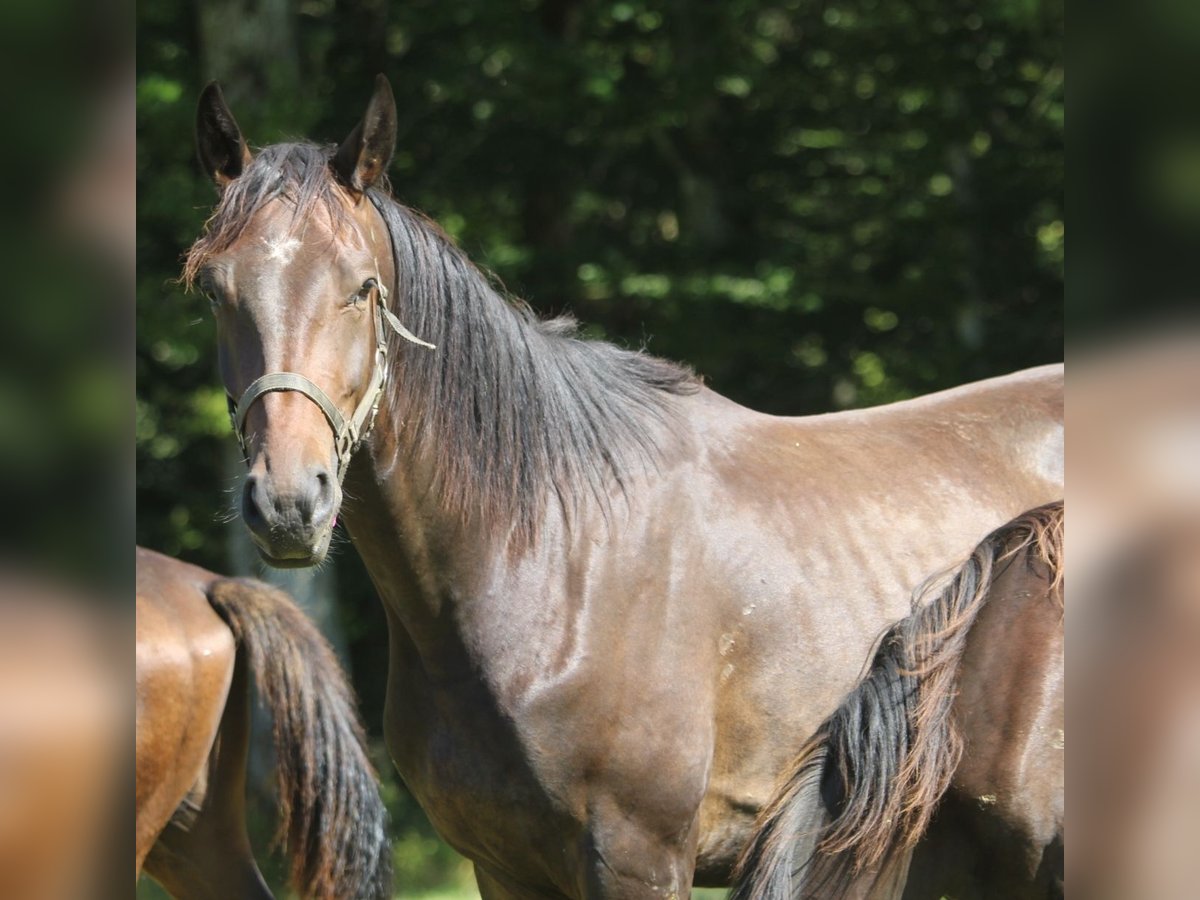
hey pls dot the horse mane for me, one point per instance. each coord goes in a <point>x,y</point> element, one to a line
<point>865,786</point>
<point>510,410</point>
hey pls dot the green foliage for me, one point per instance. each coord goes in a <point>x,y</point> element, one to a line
<point>818,205</point>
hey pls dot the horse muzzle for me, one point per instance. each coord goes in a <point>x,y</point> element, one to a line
<point>291,525</point>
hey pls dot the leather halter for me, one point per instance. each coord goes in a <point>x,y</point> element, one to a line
<point>347,433</point>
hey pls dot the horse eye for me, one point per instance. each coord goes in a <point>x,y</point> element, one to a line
<point>211,294</point>
<point>363,293</point>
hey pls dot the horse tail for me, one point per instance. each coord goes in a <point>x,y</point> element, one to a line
<point>864,787</point>
<point>332,821</point>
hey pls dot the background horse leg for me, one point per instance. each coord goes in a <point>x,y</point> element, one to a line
<point>211,858</point>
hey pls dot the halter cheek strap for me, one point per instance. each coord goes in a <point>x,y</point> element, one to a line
<point>347,433</point>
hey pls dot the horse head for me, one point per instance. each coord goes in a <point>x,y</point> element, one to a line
<point>296,267</point>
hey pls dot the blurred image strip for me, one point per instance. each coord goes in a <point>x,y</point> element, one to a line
<point>66,564</point>
<point>1133,453</point>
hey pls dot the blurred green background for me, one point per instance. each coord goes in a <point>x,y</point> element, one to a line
<point>819,205</point>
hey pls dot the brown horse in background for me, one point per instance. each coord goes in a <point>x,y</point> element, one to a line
<point>941,773</point>
<point>618,602</point>
<point>199,638</point>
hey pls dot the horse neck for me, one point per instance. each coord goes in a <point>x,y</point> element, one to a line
<point>411,545</point>
<point>503,434</point>
<point>437,575</point>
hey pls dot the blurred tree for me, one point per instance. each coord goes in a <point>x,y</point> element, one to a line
<point>818,205</point>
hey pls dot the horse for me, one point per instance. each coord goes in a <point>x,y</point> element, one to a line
<point>942,773</point>
<point>199,639</point>
<point>615,599</point>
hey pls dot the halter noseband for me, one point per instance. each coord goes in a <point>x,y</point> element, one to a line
<point>347,433</point>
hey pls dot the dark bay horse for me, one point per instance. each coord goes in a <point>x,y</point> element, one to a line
<point>954,739</point>
<point>199,637</point>
<point>618,603</point>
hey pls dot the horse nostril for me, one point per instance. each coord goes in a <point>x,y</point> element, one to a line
<point>251,512</point>
<point>316,503</point>
<point>324,488</point>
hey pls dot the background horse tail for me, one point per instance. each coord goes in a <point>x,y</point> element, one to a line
<point>332,819</point>
<point>864,787</point>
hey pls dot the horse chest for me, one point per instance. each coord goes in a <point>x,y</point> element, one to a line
<point>469,771</point>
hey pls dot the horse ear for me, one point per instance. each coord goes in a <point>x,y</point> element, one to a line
<point>365,155</point>
<point>219,143</point>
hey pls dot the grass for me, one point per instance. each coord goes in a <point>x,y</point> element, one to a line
<point>453,892</point>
